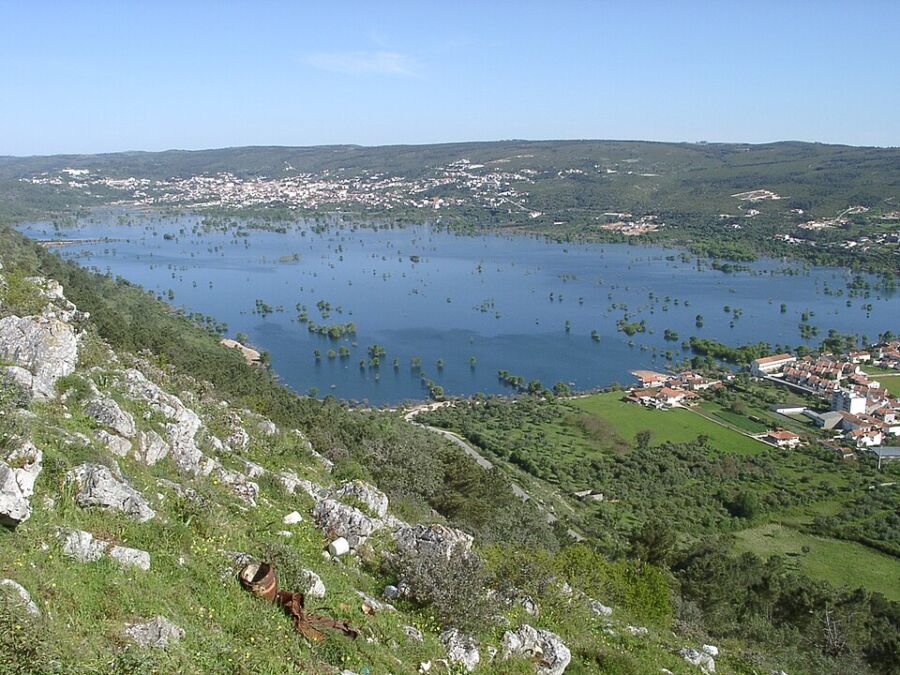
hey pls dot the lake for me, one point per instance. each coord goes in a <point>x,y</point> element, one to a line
<point>515,303</point>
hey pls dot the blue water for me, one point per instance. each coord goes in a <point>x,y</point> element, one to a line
<point>433,308</point>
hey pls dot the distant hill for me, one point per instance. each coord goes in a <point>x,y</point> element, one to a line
<point>572,187</point>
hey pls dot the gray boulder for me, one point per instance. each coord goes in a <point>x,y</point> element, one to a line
<point>95,485</point>
<point>546,649</point>
<point>45,346</point>
<point>159,632</point>
<point>340,520</point>
<point>83,547</point>
<point>130,557</point>
<point>18,472</point>
<point>461,649</point>
<point>108,413</point>
<point>24,597</point>
<point>432,539</point>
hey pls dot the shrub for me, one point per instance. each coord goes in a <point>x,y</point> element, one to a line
<point>453,588</point>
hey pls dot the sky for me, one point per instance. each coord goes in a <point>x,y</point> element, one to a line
<point>90,77</point>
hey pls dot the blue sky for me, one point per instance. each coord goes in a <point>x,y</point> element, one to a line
<point>107,76</point>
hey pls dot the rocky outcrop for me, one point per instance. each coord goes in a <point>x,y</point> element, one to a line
<point>44,346</point>
<point>18,472</point>
<point>83,547</point>
<point>546,649</point>
<point>432,539</point>
<point>108,413</point>
<point>21,596</point>
<point>159,632</point>
<point>181,430</point>
<point>373,499</point>
<point>340,520</point>
<point>461,649</point>
<point>95,485</point>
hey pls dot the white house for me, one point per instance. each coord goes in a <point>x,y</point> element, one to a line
<point>770,364</point>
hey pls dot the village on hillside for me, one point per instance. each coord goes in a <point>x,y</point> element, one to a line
<point>858,412</point>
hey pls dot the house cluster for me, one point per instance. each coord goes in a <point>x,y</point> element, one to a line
<point>464,184</point>
<point>662,390</point>
<point>863,413</point>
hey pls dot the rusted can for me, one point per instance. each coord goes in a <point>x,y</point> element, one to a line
<point>260,579</point>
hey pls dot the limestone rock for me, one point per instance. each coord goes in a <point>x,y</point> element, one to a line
<point>314,587</point>
<point>267,428</point>
<point>239,484</point>
<point>18,473</point>
<point>339,520</point>
<point>550,654</point>
<point>151,448</point>
<point>292,518</point>
<point>375,501</point>
<point>375,604</point>
<point>108,413</point>
<point>637,631</point>
<point>158,632</point>
<point>461,649</point>
<point>83,547</point>
<point>599,608</point>
<point>702,660</point>
<point>117,445</point>
<point>46,347</point>
<point>96,486</point>
<point>130,557</point>
<point>252,469</point>
<point>24,596</point>
<point>413,633</point>
<point>19,377</point>
<point>436,539</point>
<point>239,439</point>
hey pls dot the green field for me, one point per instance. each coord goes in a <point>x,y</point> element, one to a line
<point>889,379</point>
<point>677,426</point>
<point>841,563</point>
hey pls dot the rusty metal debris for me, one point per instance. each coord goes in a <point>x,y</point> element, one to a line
<point>260,580</point>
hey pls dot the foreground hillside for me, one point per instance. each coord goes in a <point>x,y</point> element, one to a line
<point>142,466</point>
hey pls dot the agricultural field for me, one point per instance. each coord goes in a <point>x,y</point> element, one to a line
<point>674,426</point>
<point>841,563</point>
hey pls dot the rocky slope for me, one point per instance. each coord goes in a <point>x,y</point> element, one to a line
<point>131,495</point>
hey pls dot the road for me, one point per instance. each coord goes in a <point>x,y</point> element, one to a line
<point>466,447</point>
